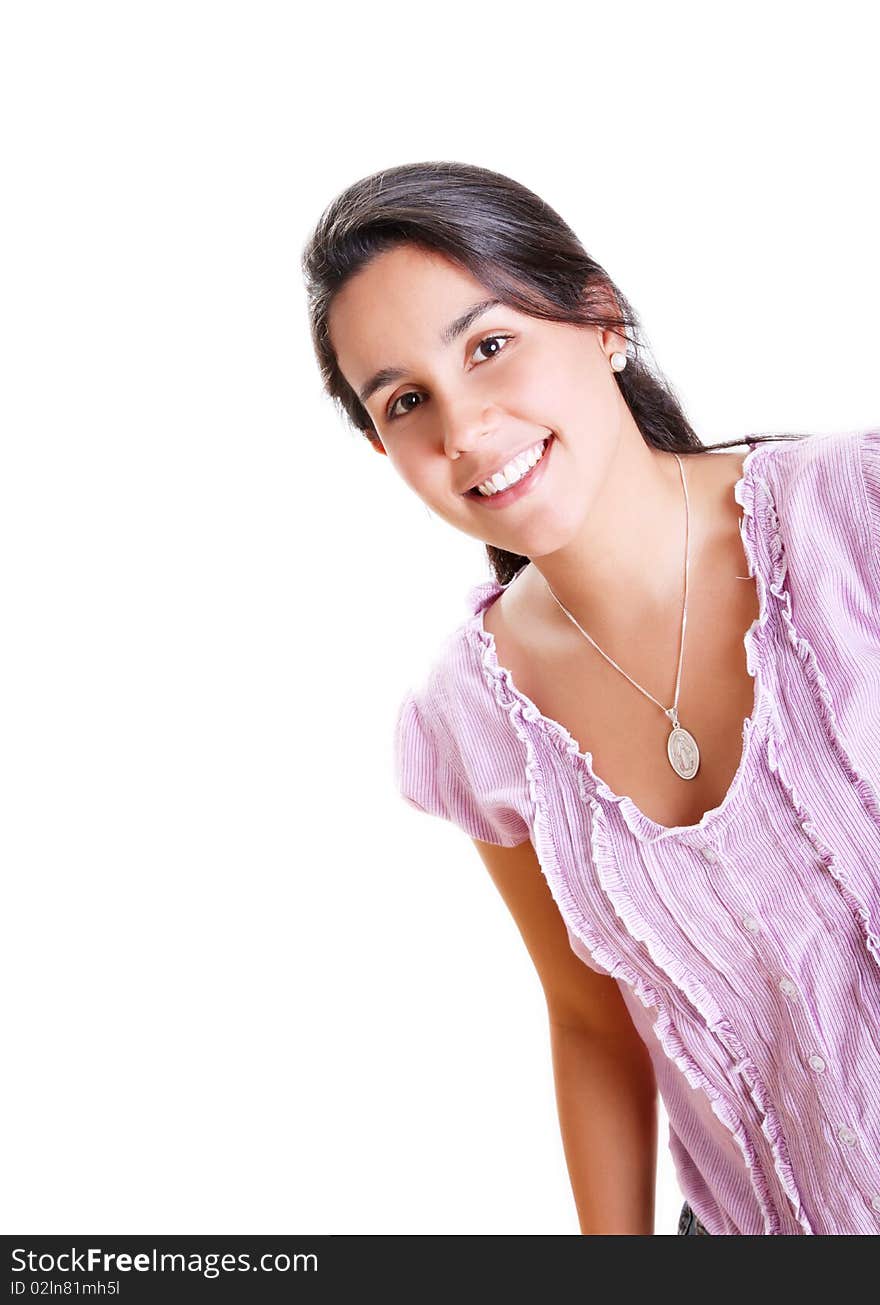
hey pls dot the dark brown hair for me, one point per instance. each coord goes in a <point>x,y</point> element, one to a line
<point>519,249</point>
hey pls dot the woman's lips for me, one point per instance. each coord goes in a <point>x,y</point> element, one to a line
<point>522,487</point>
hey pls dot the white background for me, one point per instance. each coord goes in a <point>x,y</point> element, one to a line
<point>246,988</point>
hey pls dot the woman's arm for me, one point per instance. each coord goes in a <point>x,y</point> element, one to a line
<point>605,1088</point>
<point>607,1102</point>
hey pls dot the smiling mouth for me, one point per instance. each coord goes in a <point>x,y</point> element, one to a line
<point>476,493</point>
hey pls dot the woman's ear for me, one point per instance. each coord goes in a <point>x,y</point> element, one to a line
<point>375,441</point>
<point>612,341</point>
<point>600,297</point>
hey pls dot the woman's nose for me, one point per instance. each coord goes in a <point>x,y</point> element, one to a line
<point>465,430</point>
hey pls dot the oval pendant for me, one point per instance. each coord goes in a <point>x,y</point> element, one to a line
<point>684,755</point>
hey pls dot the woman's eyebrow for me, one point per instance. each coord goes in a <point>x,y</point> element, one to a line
<point>388,375</point>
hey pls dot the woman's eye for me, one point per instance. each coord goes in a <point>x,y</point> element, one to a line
<point>491,339</point>
<point>392,415</point>
<point>414,394</point>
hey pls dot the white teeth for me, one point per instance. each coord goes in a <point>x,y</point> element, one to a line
<point>514,470</point>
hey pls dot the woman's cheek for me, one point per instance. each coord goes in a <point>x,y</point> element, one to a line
<point>541,396</point>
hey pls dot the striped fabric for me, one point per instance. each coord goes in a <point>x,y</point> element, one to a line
<point>745,946</point>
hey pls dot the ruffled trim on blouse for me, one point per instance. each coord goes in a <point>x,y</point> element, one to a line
<point>818,684</point>
<point>825,854</point>
<point>717,1025</point>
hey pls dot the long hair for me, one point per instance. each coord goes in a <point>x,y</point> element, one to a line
<point>522,251</point>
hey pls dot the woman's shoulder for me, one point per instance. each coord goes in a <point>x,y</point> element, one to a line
<point>828,475</point>
<point>821,464</point>
<point>825,495</point>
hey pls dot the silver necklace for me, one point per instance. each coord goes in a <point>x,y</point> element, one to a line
<point>681,746</point>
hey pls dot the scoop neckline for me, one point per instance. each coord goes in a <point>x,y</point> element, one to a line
<point>642,825</point>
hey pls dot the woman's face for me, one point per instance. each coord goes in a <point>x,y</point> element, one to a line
<point>458,409</point>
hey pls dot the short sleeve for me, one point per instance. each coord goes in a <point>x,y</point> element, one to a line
<point>464,781</point>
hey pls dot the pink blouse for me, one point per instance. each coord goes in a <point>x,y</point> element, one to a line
<point>745,946</point>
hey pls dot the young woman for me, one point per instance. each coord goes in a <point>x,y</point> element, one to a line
<point>658,722</point>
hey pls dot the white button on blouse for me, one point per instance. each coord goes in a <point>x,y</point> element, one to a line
<point>875,1202</point>
<point>752,923</point>
<point>789,987</point>
<point>709,853</point>
<point>847,1135</point>
<point>817,1063</point>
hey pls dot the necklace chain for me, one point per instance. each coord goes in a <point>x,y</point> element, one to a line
<point>682,750</point>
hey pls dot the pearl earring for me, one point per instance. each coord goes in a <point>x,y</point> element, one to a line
<point>618,362</point>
